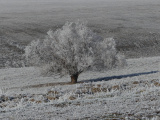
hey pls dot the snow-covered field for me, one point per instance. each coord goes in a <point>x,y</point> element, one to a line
<point>134,24</point>
<point>122,93</point>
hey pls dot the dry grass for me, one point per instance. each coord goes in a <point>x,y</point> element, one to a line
<point>116,87</point>
<point>135,82</point>
<point>157,84</point>
<point>52,92</point>
<point>38,101</point>
<point>32,100</point>
<point>51,98</point>
<point>72,98</point>
<point>48,85</point>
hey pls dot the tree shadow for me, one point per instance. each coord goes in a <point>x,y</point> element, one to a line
<point>90,80</point>
<point>118,77</point>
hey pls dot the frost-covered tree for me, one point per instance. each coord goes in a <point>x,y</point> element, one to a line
<point>72,50</point>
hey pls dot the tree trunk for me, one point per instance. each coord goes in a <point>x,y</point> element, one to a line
<point>74,78</point>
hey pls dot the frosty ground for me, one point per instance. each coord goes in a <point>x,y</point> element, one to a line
<point>130,92</point>
<point>122,93</point>
<point>133,24</point>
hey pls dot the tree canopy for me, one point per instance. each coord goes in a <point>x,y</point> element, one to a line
<point>73,49</point>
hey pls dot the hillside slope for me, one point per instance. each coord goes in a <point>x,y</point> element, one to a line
<point>130,92</point>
